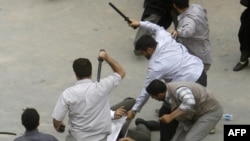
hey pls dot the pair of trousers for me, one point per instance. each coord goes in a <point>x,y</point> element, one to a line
<point>202,79</point>
<point>167,131</point>
<point>244,35</point>
<point>140,133</point>
<point>199,129</point>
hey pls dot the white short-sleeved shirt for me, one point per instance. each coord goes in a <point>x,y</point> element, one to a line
<point>88,108</point>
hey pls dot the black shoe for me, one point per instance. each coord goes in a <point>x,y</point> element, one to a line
<point>151,124</point>
<point>240,66</point>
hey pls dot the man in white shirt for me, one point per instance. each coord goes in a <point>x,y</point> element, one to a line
<point>87,102</point>
<point>168,60</point>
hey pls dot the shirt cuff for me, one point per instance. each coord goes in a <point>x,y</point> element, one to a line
<point>112,114</point>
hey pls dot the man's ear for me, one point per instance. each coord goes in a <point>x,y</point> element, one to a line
<point>161,94</point>
<point>150,50</point>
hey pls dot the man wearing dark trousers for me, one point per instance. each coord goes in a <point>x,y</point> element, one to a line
<point>244,39</point>
<point>169,61</point>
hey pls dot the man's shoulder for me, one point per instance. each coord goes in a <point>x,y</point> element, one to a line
<point>48,137</point>
<point>21,138</point>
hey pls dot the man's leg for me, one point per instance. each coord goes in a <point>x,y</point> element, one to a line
<point>141,133</point>
<point>128,103</point>
<point>180,134</point>
<point>152,18</point>
<point>203,125</point>
<point>167,131</point>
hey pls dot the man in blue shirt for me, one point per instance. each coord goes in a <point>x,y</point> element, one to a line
<point>30,120</point>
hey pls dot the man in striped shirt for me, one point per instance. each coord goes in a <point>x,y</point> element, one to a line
<point>191,104</point>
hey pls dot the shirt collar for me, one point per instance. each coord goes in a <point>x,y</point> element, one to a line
<point>87,80</point>
<point>167,97</point>
<point>182,15</point>
<point>32,132</point>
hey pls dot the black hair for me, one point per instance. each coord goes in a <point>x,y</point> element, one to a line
<point>82,68</point>
<point>155,87</point>
<point>181,3</point>
<point>30,119</point>
<point>144,42</point>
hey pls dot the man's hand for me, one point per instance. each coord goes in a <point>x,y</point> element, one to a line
<point>131,114</point>
<point>58,125</point>
<point>134,23</point>
<point>120,112</point>
<point>166,118</point>
<point>103,55</point>
<point>174,33</point>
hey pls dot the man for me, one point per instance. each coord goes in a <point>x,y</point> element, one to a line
<point>168,60</point>
<point>119,123</point>
<point>87,102</point>
<point>191,104</point>
<point>159,12</point>
<point>118,112</point>
<point>193,30</point>
<point>30,120</point>
<point>244,39</point>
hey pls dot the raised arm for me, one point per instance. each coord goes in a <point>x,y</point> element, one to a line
<point>116,67</point>
<point>150,27</point>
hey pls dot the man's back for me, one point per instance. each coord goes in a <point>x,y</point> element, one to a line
<point>88,107</point>
<point>35,135</point>
<point>193,32</point>
<point>171,61</point>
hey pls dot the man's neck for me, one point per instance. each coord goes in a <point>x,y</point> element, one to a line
<point>180,11</point>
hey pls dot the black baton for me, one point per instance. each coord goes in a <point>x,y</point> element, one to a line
<point>8,133</point>
<point>100,60</point>
<point>119,12</point>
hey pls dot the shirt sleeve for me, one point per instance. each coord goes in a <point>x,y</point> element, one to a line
<point>187,29</point>
<point>144,96</point>
<point>186,97</point>
<point>151,27</point>
<point>112,114</point>
<point>161,35</point>
<point>109,83</point>
<point>60,109</point>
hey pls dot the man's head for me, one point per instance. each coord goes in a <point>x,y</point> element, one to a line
<point>30,119</point>
<point>82,68</point>
<point>145,46</point>
<point>157,89</point>
<point>180,5</point>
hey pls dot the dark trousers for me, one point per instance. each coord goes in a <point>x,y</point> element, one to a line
<point>244,35</point>
<point>167,131</point>
<point>202,79</point>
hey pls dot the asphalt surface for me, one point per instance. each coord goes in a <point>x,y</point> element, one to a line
<point>39,39</point>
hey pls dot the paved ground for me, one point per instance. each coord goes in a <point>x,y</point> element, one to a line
<point>39,39</point>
